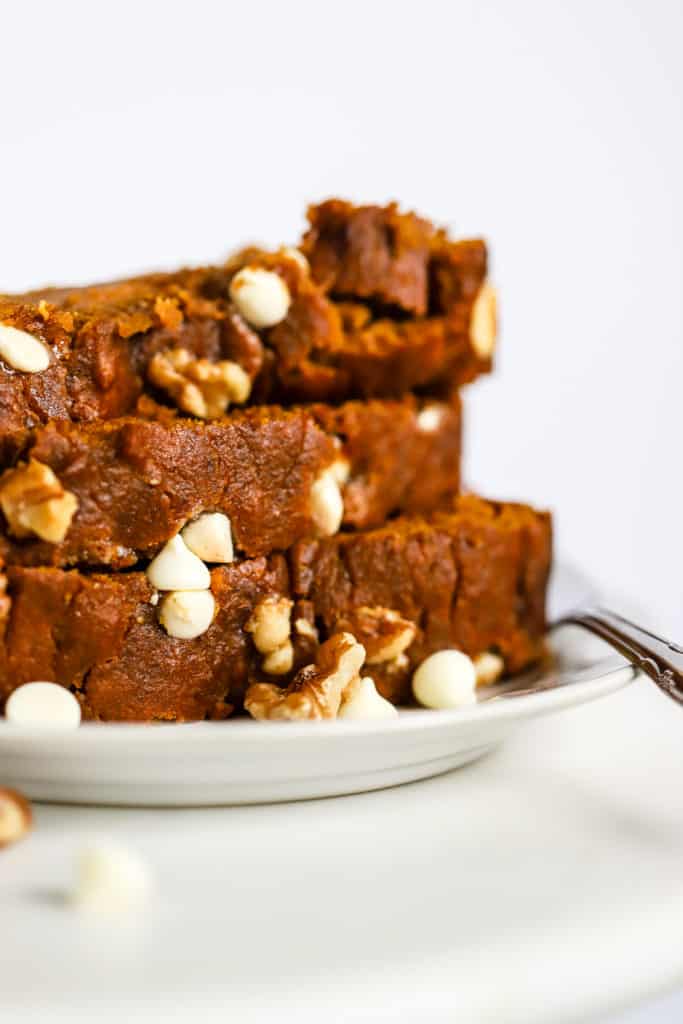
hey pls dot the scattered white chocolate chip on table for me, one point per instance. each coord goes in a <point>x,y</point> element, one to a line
<point>110,878</point>
<point>489,668</point>
<point>327,504</point>
<point>366,702</point>
<point>178,568</point>
<point>22,351</point>
<point>186,614</point>
<point>43,705</point>
<point>261,296</point>
<point>444,680</point>
<point>16,816</point>
<point>209,537</point>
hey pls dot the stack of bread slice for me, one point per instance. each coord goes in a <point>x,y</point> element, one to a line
<point>238,487</point>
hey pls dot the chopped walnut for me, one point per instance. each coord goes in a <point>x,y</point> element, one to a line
<point>269,623</point>
<point>305,628</point>
<point>279,662</point>
<point>35,503</point>
<point>242,344</point>
<point>316,691</point>
<point>269,626</point>
<point>385,634</point>
<point>198,386</point>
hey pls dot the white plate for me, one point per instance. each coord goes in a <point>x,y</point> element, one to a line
<point>254,762</point>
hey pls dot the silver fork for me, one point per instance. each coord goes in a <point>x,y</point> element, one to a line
<point>658,658</point>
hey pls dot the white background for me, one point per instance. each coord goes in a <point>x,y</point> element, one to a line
<point>142,135</point>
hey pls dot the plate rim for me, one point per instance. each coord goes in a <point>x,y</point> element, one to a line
<point>607,675</point>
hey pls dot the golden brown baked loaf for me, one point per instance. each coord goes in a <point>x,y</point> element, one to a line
<point>412,313</point>
<point>474,578</point>
<point>234,487</point>
<point>111,494</point>
<point>397,261</point>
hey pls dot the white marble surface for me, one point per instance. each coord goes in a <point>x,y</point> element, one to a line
<point>543,883</point>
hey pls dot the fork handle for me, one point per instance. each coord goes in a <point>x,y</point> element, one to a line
<point>658,658</point>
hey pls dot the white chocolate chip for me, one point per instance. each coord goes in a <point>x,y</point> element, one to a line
<point>110,879</point>
<point>340,470</point>
<point>430,419</point>
<point>43,706</point>
<point>297,256</point>
<point>261,296</point>
<point>327,504</point>
<point>446,679</point>
<point>186,614</point>
<point>22,351</point>
<point>366,702</point>
<point>489,668</point>
<point>209,537</point>
<point>279,661</point>
<point>483,322</point>
<point>15,816</point>
<point>177,568</point>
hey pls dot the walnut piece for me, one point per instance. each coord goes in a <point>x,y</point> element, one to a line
<point>317,690</point>
<point>35,503</point>
<point>305,638</point>
<point>384,633</point>
<point>269,623</point>
<point>199,386</point>
<point>269,626</point>
<point>243,345</point>
<point>279,662</point>
<point>306,629</point>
